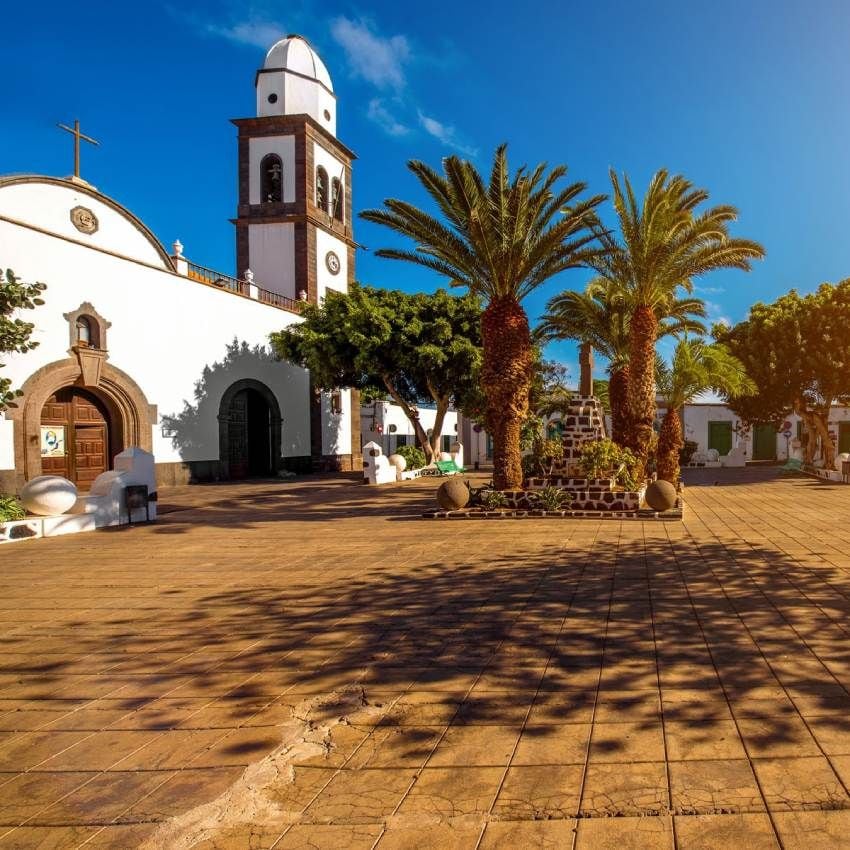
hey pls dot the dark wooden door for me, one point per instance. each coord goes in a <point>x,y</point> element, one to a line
<point>238,435</point>
<point>764,442</point>
<point>83,422</point>
<point>720,437</point>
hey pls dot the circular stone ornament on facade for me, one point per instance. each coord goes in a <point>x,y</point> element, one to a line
<point>48,495</point>
<point>332,262</point>
<point>452,495</point>
<point>660,495</point>
<point>84,220</point>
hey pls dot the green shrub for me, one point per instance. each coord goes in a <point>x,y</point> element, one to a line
<point>544,455</point>
<point>492,499</point>
<point>605,459</point>
<point>11,508</point>
<point>551,499</point>
<point>414,456</point>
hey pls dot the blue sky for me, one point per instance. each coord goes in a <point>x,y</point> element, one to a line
<point>751,100</point>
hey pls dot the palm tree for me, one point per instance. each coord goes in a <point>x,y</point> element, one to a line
<point>666,244</point>
<point>601,316</point>
<point>500,240</point>
<point>696,366</point>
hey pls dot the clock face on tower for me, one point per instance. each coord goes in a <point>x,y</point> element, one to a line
<point>332,262</point>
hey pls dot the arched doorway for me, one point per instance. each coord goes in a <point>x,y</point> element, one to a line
<point>79,436</point>
<point>249,431</point>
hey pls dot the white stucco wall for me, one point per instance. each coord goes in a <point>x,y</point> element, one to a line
<point>284,147</point>
<point>336,427</point>
<point>168,332</point>
<point>296,96</point>
<point>394,423</point>
<point>271,248</point>
<point>324,279</point>
<point>49,207</point>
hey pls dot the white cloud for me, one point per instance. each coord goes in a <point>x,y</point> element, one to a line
<point>708,290</point>
<point>376,59</point>
<point>445,134</point>
<point>716,314</point>
<point>256,31</point>
<point>384,119</point>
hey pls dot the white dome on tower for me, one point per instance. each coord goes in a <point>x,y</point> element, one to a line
<point>294,53</point>
<point>295,81</point>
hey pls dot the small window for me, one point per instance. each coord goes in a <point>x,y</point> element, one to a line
<point>271,179</point>
<point>322,189</point>
<point>272,98</point>
<point>336,402</point>
<point>447,442</point>
<point>401,440</point>
<point>337,199</point>
<point>86,332</point>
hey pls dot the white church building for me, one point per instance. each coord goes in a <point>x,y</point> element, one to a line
<point>138,346</point>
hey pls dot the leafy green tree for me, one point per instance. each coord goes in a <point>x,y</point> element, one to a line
<point>696,366</point>
<point>601,316</point>
<point>501,239</point>
<point>666,243</point>
<point>414,348</point>
<point>797,351</point>
<point>15,333</point>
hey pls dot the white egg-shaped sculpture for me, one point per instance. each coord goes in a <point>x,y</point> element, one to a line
<point>48,495</point>
<point>445,456</point>
<point>398,461</point>
<point>839,459</point>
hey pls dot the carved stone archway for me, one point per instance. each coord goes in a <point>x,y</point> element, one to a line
<point>224,415</point>
<point>127,403</point>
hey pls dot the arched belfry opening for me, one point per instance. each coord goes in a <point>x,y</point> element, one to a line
<point>271,179</point>
<point>249,431</point>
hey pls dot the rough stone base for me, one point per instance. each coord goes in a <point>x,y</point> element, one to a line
<point>479,513</point>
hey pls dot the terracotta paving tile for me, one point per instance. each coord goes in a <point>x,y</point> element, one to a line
<point>628,706</point>
<point>539,793</point>
<point>66,837</point>
<point>385,746</point>
<point>618,790</point>
<point>461,834</point>
<point>542,835</point>
<point>623,742</point>
<point>712,739</point>
<point>777,736</point>
<point>650,833</point>
<point>814,830</point>
<point>800,783</point>
<point>360,796</point>
<point>24,752</point>
<point>712,832</point>
<point>832,734</point>
<point>565,744</point>
<point>449,792</point>
<point>108,793</point>
<point>481,746</point>
<point>708,787</point>
<point>26,794</point>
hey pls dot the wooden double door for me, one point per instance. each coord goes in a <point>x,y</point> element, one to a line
<point>249,435</point>
<point>75,436</point>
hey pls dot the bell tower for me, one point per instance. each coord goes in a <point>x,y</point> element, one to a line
<point>293,224</point>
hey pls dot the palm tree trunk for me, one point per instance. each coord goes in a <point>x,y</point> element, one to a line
<point>670,442</point>
<point>643,334</point>
<point>618,397</point>
<point>505,379</point>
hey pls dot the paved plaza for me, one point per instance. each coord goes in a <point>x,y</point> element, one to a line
<point>309,665</point>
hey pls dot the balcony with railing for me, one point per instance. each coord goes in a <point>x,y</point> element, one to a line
<point>238,286</point>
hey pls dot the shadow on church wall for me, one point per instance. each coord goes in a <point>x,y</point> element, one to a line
<point>194,431</point>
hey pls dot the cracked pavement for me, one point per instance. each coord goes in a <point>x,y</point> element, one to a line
<point>308,664</point>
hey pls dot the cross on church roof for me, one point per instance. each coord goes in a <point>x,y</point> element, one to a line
<point>75,132</point>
